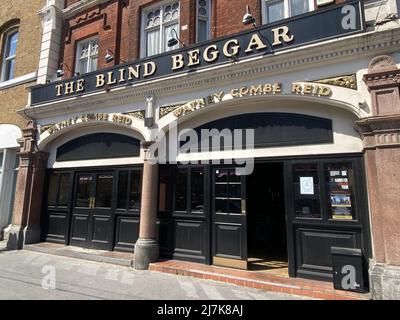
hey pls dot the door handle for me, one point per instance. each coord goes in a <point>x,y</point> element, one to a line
<point>243,207</point>
<point>92,201</point>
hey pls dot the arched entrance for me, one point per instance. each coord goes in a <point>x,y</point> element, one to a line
<point>93,189</point>
<point>305,195</point>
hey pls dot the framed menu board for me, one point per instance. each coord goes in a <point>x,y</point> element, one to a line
<point>339,178</point>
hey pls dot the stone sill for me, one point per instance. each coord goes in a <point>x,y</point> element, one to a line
<point>18,81</point>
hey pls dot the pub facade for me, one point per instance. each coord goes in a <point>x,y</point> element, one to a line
<point>193,131</point>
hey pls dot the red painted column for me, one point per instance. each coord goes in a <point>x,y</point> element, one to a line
<point>381,138</point>
<point>146,247</point>
<point>25,227</point>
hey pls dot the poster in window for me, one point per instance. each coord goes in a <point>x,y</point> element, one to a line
<point>340,195</point>
<point>307,185</point>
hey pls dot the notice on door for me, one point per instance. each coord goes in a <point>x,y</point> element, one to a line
<point>306,185</point>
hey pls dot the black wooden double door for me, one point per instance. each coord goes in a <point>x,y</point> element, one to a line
<point>97,209</point>
<point>92,216</point>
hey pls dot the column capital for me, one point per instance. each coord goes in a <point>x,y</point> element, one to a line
<point>147,144</point>
<point>383,82</point>
<point>379,131</point>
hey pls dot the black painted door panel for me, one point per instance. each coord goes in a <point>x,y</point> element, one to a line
<point>92,225</point>
<point>229,225</point>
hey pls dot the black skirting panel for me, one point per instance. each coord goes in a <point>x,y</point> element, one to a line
<point>183,239</point>
<point>313,249</point>
<point>127,233</point>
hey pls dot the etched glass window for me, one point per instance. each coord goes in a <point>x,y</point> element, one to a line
<point>87,56</point>
<point>158,25</point>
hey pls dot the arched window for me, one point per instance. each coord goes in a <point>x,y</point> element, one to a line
<point>101,145</point>
<point>10,41</point>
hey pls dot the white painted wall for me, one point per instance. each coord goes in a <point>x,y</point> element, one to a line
<point>7,187</point>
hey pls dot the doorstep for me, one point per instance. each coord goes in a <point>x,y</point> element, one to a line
<point>118,258</point>
<point>259,280</point>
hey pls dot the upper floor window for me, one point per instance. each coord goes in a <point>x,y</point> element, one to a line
<point>158,25</point>
<point>203,20</point>
<point>9,51</point>
<point>87,53</point>
<point>275,10</point>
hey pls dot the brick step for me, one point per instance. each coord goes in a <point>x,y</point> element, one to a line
<point>275,283</point>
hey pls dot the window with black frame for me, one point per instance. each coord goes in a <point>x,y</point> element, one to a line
<point>129,190</point>
<point>189,190</point>
<point>59,189</point>
<point>339,179</point>
<point>228,192</point>
<point>307,201</point>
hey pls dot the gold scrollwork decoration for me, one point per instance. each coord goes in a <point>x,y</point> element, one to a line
<point>137,114</point>
<point>45,128</point>
<point>166,110</point>
<point>345,81</point>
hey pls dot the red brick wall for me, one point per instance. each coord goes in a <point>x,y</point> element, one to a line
<point>117,24</point>
<point>106,21</point>
<point>70,2</point>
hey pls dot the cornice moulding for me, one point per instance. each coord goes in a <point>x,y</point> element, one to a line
<point>82,5</point>
<point>49,9</point>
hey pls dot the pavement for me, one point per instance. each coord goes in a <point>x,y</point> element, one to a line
<point>29,275</point>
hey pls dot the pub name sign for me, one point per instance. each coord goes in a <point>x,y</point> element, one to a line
<point>308,28</point>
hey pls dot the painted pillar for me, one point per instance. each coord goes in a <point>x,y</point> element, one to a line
<point>146,247</point>
<point>51,15</point>
<point>25,227</point>
<point>381,138</point>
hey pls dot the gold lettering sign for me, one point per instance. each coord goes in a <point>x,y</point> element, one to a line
<point>252,90</point>
<point>311,89</point>
<point>87,117</point>
<point>255,90</point>
<point>229,48</point>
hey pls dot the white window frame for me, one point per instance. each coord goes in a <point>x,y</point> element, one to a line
<point>143,31</point>
<point>5,60</point>
<point>208,19</point>
<point>287,8</point>
<point>79,46</point>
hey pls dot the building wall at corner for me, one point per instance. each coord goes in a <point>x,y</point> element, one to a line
<point>15,96</point>
<point>13,93</point>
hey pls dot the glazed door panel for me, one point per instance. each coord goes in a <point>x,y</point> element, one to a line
<point>229,223</point>
<point>82,207</point>
<point>101,222</point>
